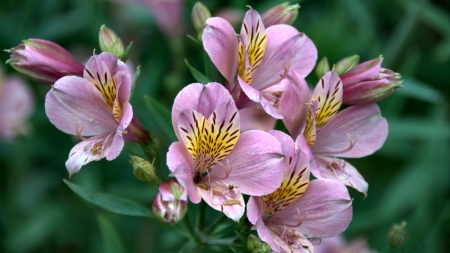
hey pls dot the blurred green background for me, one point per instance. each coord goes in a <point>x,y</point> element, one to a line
<point>409,177</point>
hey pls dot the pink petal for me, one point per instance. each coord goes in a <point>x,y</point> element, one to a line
<point>345,173</point>
<point>368,70</point>
<point>118,142</point>
<point>326,208</point>
<point>74,103</point>
<point>360,123</point>
<point>201,98</point>
<point>283,43</point>
<point>181,164</point>
<point>233,211</point>
<point>256,119</point>
<point>256,96</point>
<point>293,104</point>
<point>256,164</point>
<point>287,144</point>
<point>221,44</point>
<point>93,149</point>
<point>304,147</point>
<point>255,216</point>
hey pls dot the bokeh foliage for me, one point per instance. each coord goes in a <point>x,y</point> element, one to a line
<point>409,177</point>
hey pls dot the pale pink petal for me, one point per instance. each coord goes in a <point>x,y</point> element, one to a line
<point>124,81</point>
<point>342,171</point>
<point>232,209</point>
<point>287,144</point>
<point>181,164</point>
<point>118,142</point>
<point>75,104</point>
<point>221,44</point>
<point>256,119</point>
<point>256,96</point>
<point>325,208</point>
<point>201,98</point>
<point>305,59</point>
<point>93,149</point>
<point>255,216</point>
<point>304,147</point>
<point>293,104</point>
<point>255,165</point>
<point>283,43</point>
<point>16,105</point>
<point>354,132</point>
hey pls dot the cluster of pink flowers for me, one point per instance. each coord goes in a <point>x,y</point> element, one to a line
<point>224,150</point>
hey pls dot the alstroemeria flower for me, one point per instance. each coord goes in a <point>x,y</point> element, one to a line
<point>354,132</point>
<point>261,58</point>
<point>95,105</point>
<point>212,159</point>
<point>16,105</point>
<point>299,210</point>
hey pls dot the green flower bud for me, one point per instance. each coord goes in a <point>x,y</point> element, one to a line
<point>253,242</point>
<point>110,42</point>
<point>280,14</point>
<point>346,64</point>
<point>200,14</point>
<point>322,68</point>
<point>170,204</point>
<point>397,235</point>
<point>143,170</point>
<point>263,248</point>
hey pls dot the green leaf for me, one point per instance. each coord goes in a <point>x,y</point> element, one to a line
<point>125,55</point>
<point>161,116</point>
<point>110,203</point>
<point>194,39</point>
<point>415,89</point>
<point>110,237</point>
<point>199,76</point>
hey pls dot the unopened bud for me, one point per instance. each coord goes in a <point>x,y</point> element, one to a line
<point>110,42</point>
<point>170,204</point>
<point>43,61</point>
<point>280,14</point>
<point>397,235</point>
<point>322,68</point>
<point>263,248</point>
<point>346,64</point>
<point>200,14</point>
<point>369,83</point>
<point>143,170</point>
<point>253,242</point>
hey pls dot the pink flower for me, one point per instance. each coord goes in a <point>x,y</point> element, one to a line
<point>368,83</point>
<point>299,210</point>
<point>43,61</point>
<point>95,105</point>
<point>170,204</point>
<point>212,159</point>
<point>16,105</point>
<point>260,58</point>
<point>354,132</point>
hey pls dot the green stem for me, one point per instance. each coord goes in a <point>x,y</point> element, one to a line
<point>191,231</point>
<point>214,226</point>
<point>201,216</point>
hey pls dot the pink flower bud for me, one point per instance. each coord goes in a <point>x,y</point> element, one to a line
<point>43,61</point>
<point>170,204</point>
<point>280,14</point>
<point>369,83</point>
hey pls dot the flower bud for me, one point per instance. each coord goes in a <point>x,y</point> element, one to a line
<point>253,242</point>
<point>263,248</point>
<point>170,204</point>
<point>200,14</point>
<point>280,14</point>
<point>322,68</point>
<point>110,42</point>
<point>43,61</point>
<point>369,83</point>
<point>143,170</point>
<point>397,235</point>
<point>346,64</point>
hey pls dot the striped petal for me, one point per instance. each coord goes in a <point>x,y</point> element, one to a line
<point>252,45</point>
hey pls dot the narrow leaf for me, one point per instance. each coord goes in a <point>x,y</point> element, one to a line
<point>415,89</point>
<point>110,203</point>
<point>199,76</point>
<point>161,116</point>
<point>110,237</point>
